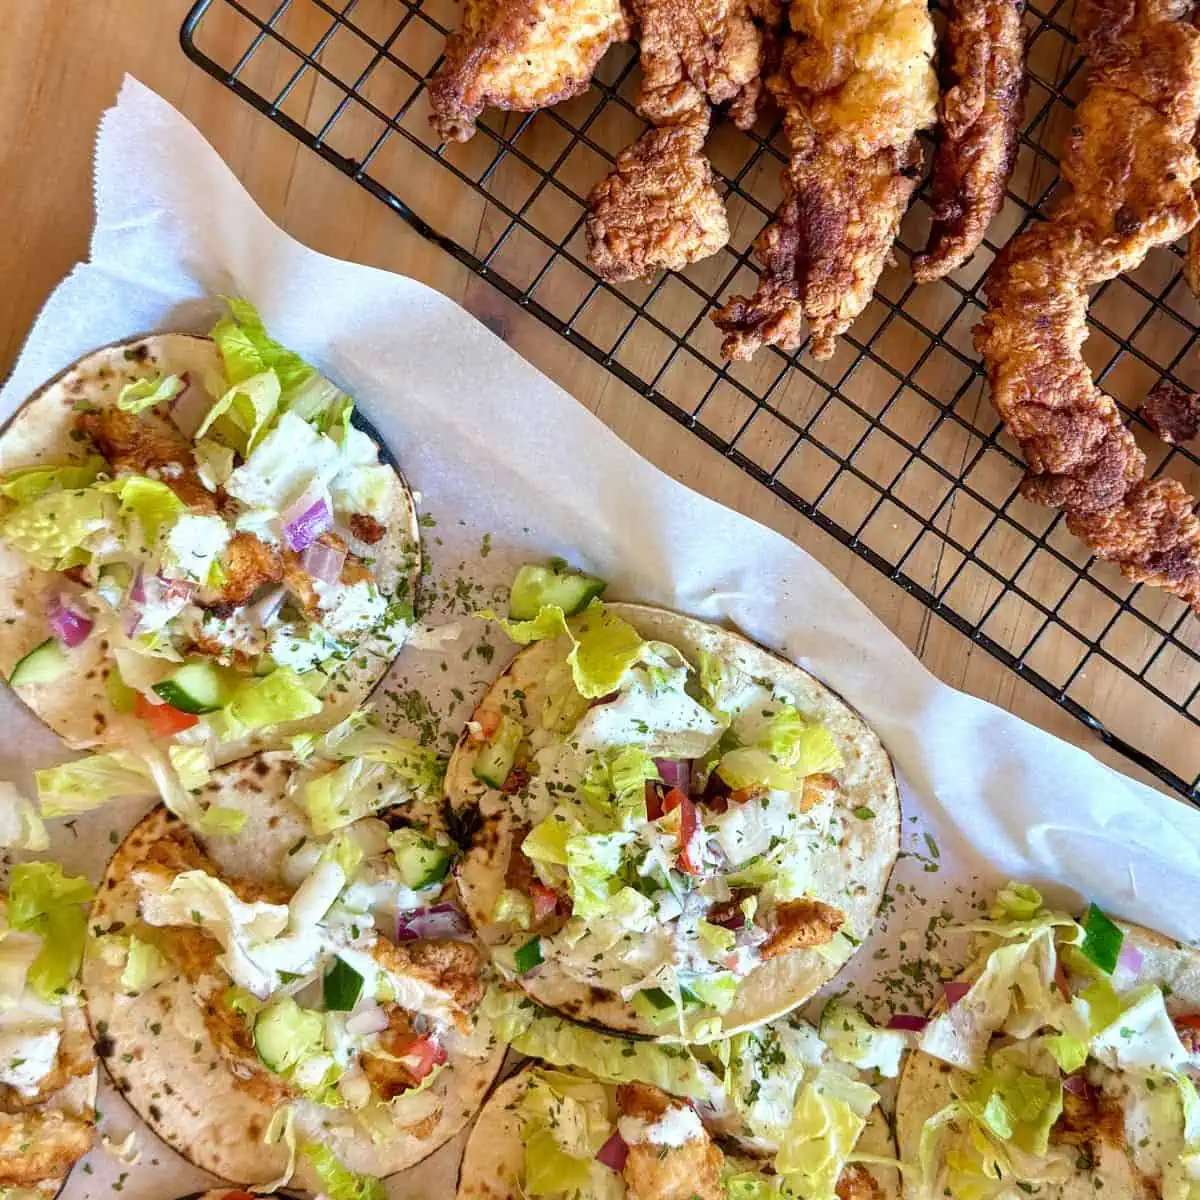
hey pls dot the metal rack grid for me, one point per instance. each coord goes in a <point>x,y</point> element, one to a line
<point>891,446</point>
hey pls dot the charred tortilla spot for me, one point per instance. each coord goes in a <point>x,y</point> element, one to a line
<point>260,767</point>
<point>105,1046</point>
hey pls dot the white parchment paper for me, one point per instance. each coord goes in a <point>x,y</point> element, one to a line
<point>509,468</point>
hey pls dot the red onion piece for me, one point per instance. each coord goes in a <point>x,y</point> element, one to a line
<point>370,1020</point>
<point>306,520</point>
<point>137,593</point>
<point>1129,962</point>
<point>67,621</point>
<point>613,1153</point>
<point>954,991</point>
<point>436,921</point>
<point>908,1021</point>
<point>323,562</point>
<point>1076,1085</point>
<point>674,772</point>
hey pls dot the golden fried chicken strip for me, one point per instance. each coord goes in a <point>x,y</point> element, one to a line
<point>857,1183</point>
<point>981,115</point>
<point>659,210</point>
<point>1132,170</point>
<point>660,1172</point>
<point>856,84</point>
<point>520,54</point>
<point>40,1144</point>
<point>447,967</point>
<point>799,924</point>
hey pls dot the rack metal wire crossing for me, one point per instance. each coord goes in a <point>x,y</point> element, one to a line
<point>891,446</point>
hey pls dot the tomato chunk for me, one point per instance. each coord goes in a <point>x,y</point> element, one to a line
<point>162,719</point>
<point>488,720</point>
<point>545,900</point>
<point>689,822</point>
<point>420,1053</point>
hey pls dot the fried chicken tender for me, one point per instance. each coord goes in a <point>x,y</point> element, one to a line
<point>40,1144</point>
<point>857,1183</point>
<point>659,209</point>
<point>389,1079</point>
<point>1132,168</point>
<point>855,85</point>
<point>522,55</point>
<point>654,1172</point>
<point>248,563</point>
<point>800,924</point>
<point>1172,412</point>
<point>981,115</point>
<point>442,964</point>
<point>148,443</point>
<point>1090,1118</point>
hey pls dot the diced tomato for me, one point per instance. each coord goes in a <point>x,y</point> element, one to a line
<point>162,719</point>
<point>545,901</point>
<point>689,822</point>
<point>420,1053</point>
<point>745,795</point>
<point>238,1195</point>
<point>1187,1020</point>
<point>654,801</point>
<point>488,720</point>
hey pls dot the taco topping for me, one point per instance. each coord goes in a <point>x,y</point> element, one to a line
<point>232,523</point>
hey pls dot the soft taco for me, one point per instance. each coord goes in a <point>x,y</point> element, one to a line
<point>1061,1064</point>
<point>47,1066</point>
<point>767,1115</point>
<point>680,835</point>
<point>311,995</point>
<point>198,525</point>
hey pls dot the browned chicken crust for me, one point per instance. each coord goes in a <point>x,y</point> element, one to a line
<point>654,1172</point>
<point>520,54</point>
<point>1172,412</point>
<point>981,112</point>
<point>442,963</point>
<point>857,1183</point>
<point>800,924</point>
<point>148,443</point>
<point>659,209</point>
<point>40,1144</point>
<point>1132,168</point>
<point>855,85</point>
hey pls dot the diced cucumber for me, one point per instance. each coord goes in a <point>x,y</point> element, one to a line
<point>264,664</point>
<point>512,906</point>
<point>536,586</point>
<point>120,695</point>
<point>197,687</point>
<point>495,760</point>
<point>343,986</point>
<point>285,1033</point>
<point>43,664</point>
<point>528,956</point>
<point>422,862</point>
<point>656,1005</point>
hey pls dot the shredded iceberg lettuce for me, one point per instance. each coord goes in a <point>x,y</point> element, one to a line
<point>42,900</point>
<point>140,394</point>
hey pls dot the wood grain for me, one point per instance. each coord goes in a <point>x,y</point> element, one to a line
<point>54,85</point>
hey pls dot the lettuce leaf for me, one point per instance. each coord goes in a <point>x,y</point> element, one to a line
<point>272,700</point>
<point>1016,1106</point>
<point>1143,1037</point>
<point>26,484</point>
<point>786,751</point>
<point>242,416</point>
<point>53,524</point>
<point>593,861</point>
<point>21,826</point>
<point>42,900</point>
<point>87,783</point>
<point>247,349</point>
<point>853,1039</point>
<point>338,1182</point>
<point>144,966</point>
<point>830,1113</point>
<point>290,461</point>
<point>141,394</point>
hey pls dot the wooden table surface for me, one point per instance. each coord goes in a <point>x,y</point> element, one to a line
<point>61,64</point>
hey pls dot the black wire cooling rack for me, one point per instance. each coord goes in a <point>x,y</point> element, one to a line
<point>891,446</point>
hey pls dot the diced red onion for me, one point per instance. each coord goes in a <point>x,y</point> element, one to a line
<point>369,1020</point>
<point>613,1153</point>
<point>954,991</point>
<point>1077,1085</point>
<point>174,590</point>
<point>908,1021</point>
<point>674,772</point>
<point>1129,963</point>
<point>137,593</point>
<point>306,520</point>
<point>67,621</point>
<point>437,921</point>
<point>323,562</point>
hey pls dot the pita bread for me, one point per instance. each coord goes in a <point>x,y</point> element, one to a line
<point>76,706</point>
<point>867,852</point>
<point>160,1035</point>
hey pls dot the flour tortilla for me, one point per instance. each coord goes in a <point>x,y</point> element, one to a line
<point>925,1083</point>
<point>76,706</point>
<point>868,853</point>
<point>204,1115</point>
<point>495,1154</point>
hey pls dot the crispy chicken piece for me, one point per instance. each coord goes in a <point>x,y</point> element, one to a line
<point>855,86</point>
<point>818,789</point>
<point>389,1079</point>
<point>800,924</point>
<point>1132,170</point>
<point>1172,412</point>
<point>857,1183</point>
<point>448,967</point>
<point>1089,1118</point>
<point>148,443</point>
<point>981,113</point>
<point>366,529</point>
<point>654,1172</point>
<point>248,563</point>
<point>522,55</point>
<point>659,210</point>
<point>40,1144</point>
